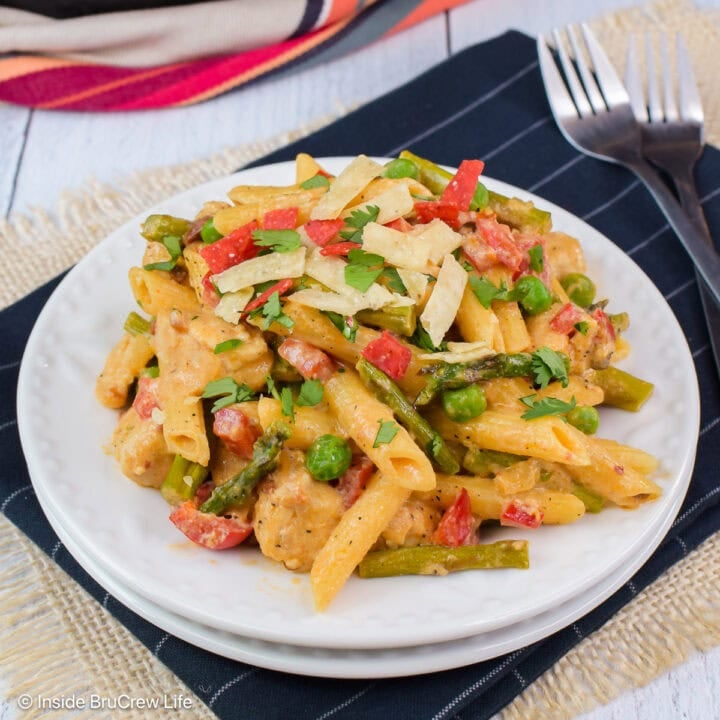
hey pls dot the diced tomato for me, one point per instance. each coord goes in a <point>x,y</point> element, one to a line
<point>461,188</point>
<point>204,492</point>
<point>521,514</point>
<point>236,430</point>
<point>445,211</point>
<point>456,524</point>
<point>147,397</point>
<point>480,254</point>
<point>210,531</point>
<point>400,224</point>
<point>321,232</point>
<point>311,363</point>
<point>353,481</point>
<point>500,238</point>
<point>232,249</point>
<point>210,296</point>
<point>389,355</point>
<point>281,219</point>
<point>567,317</point>
<point>606,331</point>
<point>280,288</point>
<point>339,248</point>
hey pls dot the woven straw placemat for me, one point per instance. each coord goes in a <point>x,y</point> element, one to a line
<point>56,640</point>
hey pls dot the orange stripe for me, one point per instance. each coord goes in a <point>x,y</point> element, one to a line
<point>340,9</point>
<point>277,61</point>
<point>424,11</point>
<point>26,64</point>
<point>99,89</point>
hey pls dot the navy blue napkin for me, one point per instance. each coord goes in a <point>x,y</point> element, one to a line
<point>486,102</point>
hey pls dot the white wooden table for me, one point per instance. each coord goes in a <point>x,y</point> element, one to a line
<point>43,153</point>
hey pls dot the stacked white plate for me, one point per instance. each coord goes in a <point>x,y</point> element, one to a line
<point>239,604</point>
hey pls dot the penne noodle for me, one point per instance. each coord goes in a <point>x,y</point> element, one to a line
<point>123,365</point>
<point>512,326</point>
<point>309,423</point>
<point>156,291</point>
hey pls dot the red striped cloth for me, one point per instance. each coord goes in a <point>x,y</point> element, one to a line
<point>79,81</point>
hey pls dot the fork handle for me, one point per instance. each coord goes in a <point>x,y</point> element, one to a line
<point>704,257</point>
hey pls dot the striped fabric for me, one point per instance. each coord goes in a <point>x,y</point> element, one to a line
<point>139,57</point>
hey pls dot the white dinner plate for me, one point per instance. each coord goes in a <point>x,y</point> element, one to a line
<point>346,664</point>
<point>124,528</point>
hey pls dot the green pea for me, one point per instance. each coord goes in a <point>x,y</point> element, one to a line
<point>464,404</point>
<point>481,198</point>
<point>328,457</point>
<point>585,418</point>
<point>209,234</point>
<point>156,227</point>
<point>532,295</point>
<point>401,168</point>
<point>580,289</point>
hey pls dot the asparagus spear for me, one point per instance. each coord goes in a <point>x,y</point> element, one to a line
<point>156,227</point>
<point>400,320</point>
<point>486,462</point>
<point>420,429</point>
<point>511,211</point>
<point>264,460</point>
<point>440,560</point>
<point>622,390</point>
<point>593,502</point>
<point>183,480</point>
<point>136,324</point>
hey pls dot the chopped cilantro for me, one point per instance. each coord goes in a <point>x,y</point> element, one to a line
<point>546,406</point>
<point>173,245</point>
<point>357,221</point>
<point>582,327</point>
<point>311,393</point>
<point>363,269</point>
<point>386,432</point>
<point>314,182</point>
<point>282,241</point>
<point>286,402</point>
<point>486,292</point>
<point>227,391</point>
<point>346,325</point>
<point>421,339</point>
<point>537,258</point>
<point>467,267</point>
<point>272,312</point>
<point>227,345</point>
<point>393,281</point>
<point>549,365</point>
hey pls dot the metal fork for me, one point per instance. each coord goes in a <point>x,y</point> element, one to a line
<point>596,117</point>
<point>672,140</point>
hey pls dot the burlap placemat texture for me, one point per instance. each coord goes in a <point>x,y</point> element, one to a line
<point>56,640</point>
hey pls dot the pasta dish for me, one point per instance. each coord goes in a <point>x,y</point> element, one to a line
<point>363,371</point>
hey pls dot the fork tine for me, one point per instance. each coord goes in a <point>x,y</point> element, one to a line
<point>561,103</point>
<point>690,103</point>
<point>576,89</point>
<point>612,89</point>
<point>633,82</point>
<point>654,106</point>
<point>671,111</point>
<point>591,88</point>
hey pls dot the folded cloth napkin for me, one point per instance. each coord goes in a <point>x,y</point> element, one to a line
<point>106,55</point>
<point>486,102</point>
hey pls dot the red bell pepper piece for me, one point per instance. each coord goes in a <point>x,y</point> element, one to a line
<point>321,232</point>
<point>456,525</point>
<point>500,238</point>
<point>606,331</point>
<point>567,317</point>
<point>147,397</point>
<point>309,361</point>
<point>521,514</point>
<point>461,188</point>
<point>211,531</point>
<point>281,219</point>
<point>210,296</point>
<point>353,481</point>
<point>280,288</point>
<point>400,224</point>
<point>389,355</point>
<point>232,249</point>
<point>445,211</point>
<point>339,248</point>
<point>236,431</point>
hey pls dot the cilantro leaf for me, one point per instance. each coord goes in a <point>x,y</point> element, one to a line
<point>363,269</point>
<point>357,220</point>
<point>386,432</point>
<point>271,387</point>
<point>392,280</point>
<point>582,327</point>
<point>549,365</point>
<point>286,402</point>
<point>228,392</point>
<point>173,245</point>
<point>227,345</point>
<point>272,312</point>
<point>311,393</point>
<point>486,292</point>
<point>282,241</point>
<point>421,339</point>
<point>546,406</point>
<point>346,325</point>
<point>537,258</point>
<point>314,182</point>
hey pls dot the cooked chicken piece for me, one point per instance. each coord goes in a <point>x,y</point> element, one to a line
<point>413,525</point>
<point>564,254</point>
<point>294,514</point>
